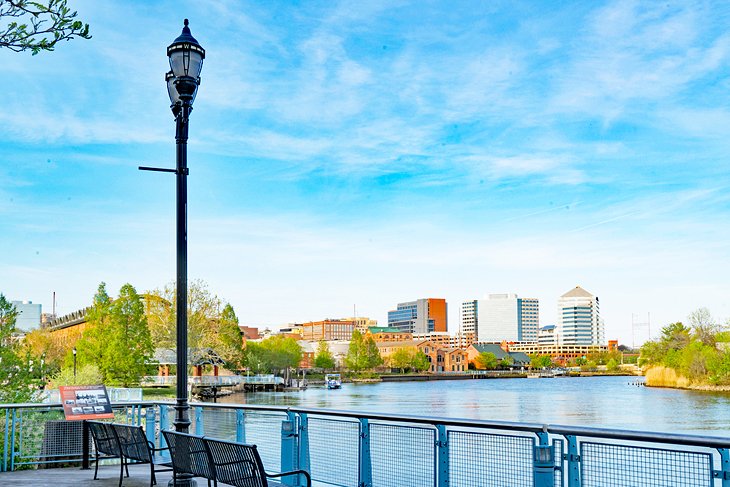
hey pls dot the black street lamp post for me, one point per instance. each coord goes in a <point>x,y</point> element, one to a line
<point>74,352</point>
<point>186,61</point>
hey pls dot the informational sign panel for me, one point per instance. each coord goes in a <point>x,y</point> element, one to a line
<point>85,402</point>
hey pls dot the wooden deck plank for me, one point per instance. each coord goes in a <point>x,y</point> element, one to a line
<point>139,476</point>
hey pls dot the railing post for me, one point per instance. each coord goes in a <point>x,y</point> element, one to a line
<point>199,429</point>
<point>149,424</point>
<point>85,453</point>
<point>12,441</point>
<point>573,458</point>
<point>6,444</point>
<point>164,424</point>
<point>724,472</point>
<point>366,470</point>
<point>240,426</point>
<point>442,456</point>
<point>543,461</point>
<point>304,442</point>
<point>289,448</point>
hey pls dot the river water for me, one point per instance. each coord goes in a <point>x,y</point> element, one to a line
<point>606,402</point>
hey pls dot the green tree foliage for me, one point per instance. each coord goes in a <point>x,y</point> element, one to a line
<point>19,376</point>
<point>118,340</point>
<point>210,323</point>
<point>273,354</point>
<point>355,359</point>
<point>541,361</point>
<point>324,358</point>
<point>694,352</point>
<point>38,26</point>
<point>420,362</point>
<point>409,358</point>
<point>506,362</point>
<point>486,361</point>
<point>372,354</point>
<point>363,353</point>
<point>612,365</point>
<point>86,374</point>
<point>230,339</point>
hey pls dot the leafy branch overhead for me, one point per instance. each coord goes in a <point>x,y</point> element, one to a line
<point>38,26</point>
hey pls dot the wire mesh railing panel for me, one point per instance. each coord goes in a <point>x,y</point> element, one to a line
<point>264,431</point>
<point>485,459</point>
<point>219,423</point>
<point>558,446</point>
<point>402,455</point>
<point>612,464</point>
<point>44,436</point>
<point>333,451</point>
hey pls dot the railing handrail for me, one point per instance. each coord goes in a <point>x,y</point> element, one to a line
<point>564,430</point>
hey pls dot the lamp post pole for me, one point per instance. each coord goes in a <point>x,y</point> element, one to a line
<point>186,61</point>
<point>74,352</point>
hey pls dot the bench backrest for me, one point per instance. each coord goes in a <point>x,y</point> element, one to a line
<point>188,454</point>
<point>236,463</point>
<point>105,438</point>
<point>133,442</point>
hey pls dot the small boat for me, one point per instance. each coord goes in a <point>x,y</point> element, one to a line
<point>333,381</point>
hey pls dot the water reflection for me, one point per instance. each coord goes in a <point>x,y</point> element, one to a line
<point>610,402</point>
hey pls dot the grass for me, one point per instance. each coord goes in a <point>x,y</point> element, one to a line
<point>151,393</point>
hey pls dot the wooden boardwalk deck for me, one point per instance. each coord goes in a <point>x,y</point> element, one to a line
<point>139,476</point>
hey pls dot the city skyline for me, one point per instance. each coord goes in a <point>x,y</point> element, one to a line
<point>367,154</point>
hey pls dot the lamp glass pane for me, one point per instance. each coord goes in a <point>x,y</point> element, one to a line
<point>186,62</point>
<point>171,90</point>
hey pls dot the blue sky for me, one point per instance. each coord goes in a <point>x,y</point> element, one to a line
<point>375,152</point>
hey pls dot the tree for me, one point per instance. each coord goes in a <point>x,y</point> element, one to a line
<point>37,26</point>
<point>355,359</point>
<point>209,322</point>
<point>273,354</point>
<point>118,340</point>
<point>486,361</point>
<point>230,339</point>
<point>612,365</point>
<point>402,358</point>
<point>130,345</point>
<point>18,379</point>
<point>372,354</point>
<point>704,326</point>
<point>324,359</point>
<point>541,361</point>
<point>421,362</point>
<point>506,362</point>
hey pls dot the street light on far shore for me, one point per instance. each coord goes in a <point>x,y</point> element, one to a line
<point>74,352</point>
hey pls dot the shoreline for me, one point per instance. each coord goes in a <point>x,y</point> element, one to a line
<point>666,378</point>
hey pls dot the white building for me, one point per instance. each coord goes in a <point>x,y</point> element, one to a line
<point>29,315</point>
<point>579,319</point>
<point>501,317</point>
<point>468,318</point>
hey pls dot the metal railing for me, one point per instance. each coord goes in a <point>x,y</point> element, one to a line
<point>356,449</point>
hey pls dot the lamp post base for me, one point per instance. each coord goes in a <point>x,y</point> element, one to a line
<point>183,482</point>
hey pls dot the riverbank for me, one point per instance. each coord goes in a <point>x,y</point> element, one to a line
<point>665,377</point>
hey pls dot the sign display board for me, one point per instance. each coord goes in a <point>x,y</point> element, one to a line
<point>85,402</point>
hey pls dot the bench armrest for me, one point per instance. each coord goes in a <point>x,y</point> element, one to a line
<point>293,472</point>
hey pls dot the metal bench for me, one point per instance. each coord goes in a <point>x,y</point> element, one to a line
<point>135,446</point>
<point>128,443</point>
<point>240,465</point>
<point>105,443</point>
<point>189,455</point>
<point>230,463</point>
